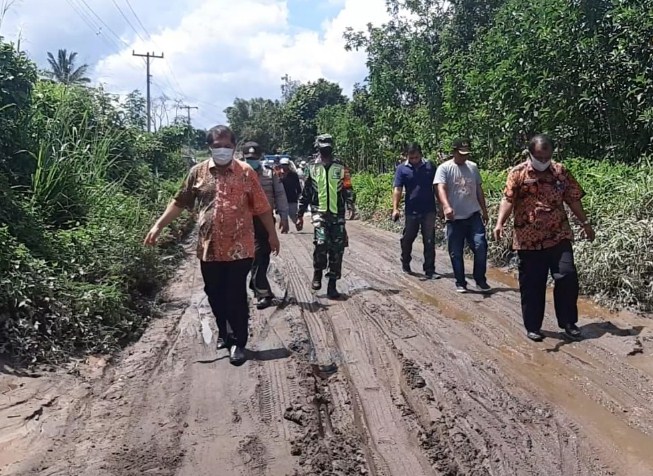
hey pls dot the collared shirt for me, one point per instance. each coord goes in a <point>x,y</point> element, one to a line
<point>227,200</point>
<point>538,197</point>
<point>418,182</point>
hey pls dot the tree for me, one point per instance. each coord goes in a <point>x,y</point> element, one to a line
<point>256,120</point>
<point>289,87</point>
<point>134,110</point>
<point>64,70</point>
<point>299,114</point>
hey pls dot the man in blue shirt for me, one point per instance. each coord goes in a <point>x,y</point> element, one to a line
<point>416,175</point>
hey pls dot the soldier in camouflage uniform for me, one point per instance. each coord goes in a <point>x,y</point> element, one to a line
<point>325,194</point>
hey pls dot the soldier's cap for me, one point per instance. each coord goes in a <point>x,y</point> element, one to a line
<point>462,145</point>
<point>324,140</point>
<point>252,150</point>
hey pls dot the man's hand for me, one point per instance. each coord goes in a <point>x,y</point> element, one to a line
<point>283,226</point>
<point>152,236</point>
<point>395,215</point>
<point>486,217</point>
<point>588,232</point>
<point>273,240</point>
<point>448,213</point>
<point>498,232</point>
<point>300,222</point>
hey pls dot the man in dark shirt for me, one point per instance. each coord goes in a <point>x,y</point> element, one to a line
<point>416,175</point>
<point>293,187</point>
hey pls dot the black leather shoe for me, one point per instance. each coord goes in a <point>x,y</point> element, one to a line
<point>332,292</point>
<point>317,281</point>
<point>237,355</point>
<point>221,344</point>
<point>573,332</point>
<point>264,302</point>
<point>405,268</point>
<point>535,336</point>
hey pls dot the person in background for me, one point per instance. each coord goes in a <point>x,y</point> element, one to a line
<point>325,194</point>
<point>228,195</point>
<point>276,195</point>
<point>536,193</point>
<point>416,175</point>
<point>461,195</point>
<point>293,188</point>
<point>350,194</point>
<point>301,171</point>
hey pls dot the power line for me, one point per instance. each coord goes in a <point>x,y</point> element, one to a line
<point>100,28</point>
<point>127,20</point>
<point>103,23</point>
<point>138,19</point>
<point>176,88</point>
<point>92,24</point>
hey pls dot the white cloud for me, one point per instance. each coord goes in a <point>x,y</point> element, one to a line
<point>216,59</point>
<point>215,50</point>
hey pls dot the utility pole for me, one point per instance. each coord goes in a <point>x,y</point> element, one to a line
<point>190,129</point>
<point>148,57</point>
<point>188,108</point>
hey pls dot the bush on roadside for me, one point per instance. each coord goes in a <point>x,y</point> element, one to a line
<point>79,189</point>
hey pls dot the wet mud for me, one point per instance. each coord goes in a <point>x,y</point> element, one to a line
<point>402,376</point>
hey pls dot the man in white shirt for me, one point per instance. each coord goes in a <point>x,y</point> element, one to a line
<point>461,195</point>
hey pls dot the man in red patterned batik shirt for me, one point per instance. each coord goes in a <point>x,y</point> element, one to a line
<point>227,195</point>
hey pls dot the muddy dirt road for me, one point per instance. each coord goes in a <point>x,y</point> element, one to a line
<point>401,377</point>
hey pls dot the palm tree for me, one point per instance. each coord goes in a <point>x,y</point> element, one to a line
<point>63,68</point>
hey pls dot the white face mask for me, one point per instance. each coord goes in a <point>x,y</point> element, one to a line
<point>222,155</point>
<point>540,166</point>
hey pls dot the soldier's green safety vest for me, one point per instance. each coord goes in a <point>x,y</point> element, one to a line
<point>329,185</point>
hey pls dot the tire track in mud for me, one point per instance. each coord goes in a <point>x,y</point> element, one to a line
<point>588,385</point>
<point>331,441</point>
<point>337,407</point>
<point>375,382</point>
<point>442,438</point>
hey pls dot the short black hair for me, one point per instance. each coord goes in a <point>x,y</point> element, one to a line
<point>219,131</point>
<point>412,148</point>
<point>540,139</point>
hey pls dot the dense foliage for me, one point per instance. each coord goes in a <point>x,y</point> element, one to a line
<point>495,70</point>
<point>80,183</point>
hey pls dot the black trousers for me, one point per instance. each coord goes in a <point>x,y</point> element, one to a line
<point>258,282</point>
<point>412,226</point>
<point>534,268</point>
<point>225,284</point>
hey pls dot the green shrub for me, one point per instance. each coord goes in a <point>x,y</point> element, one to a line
<point>372,193</point>
<point>74,275</point>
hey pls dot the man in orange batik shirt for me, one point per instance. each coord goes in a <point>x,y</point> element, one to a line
<point>228,196</point>
<point>537,191</point>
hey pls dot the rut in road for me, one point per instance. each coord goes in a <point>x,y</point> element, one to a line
<point>401,377</point>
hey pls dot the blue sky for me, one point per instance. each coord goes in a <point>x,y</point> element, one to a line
<point>215,50</point>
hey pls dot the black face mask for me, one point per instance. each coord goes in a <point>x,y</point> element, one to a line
<point>326,150</point>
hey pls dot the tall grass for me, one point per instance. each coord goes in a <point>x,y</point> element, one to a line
<point>71,164</point>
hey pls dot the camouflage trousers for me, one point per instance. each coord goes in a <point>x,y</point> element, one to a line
<point>330,240</point>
